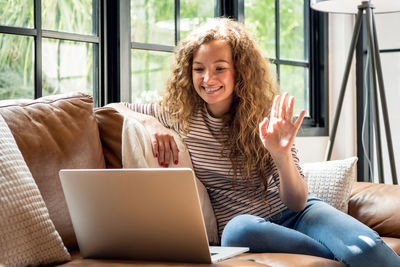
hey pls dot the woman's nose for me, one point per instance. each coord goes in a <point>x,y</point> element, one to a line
<point>207,76</point>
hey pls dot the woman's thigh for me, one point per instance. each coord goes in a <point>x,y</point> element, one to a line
<point>264,236</point>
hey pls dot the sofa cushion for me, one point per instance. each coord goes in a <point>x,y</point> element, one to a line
<point>27,235</point>
<point>331,180</point>
<point>376,205</point>
<point>393,243</point>
<point>289,260</point>
<point>53,133</point>
<point>110,124</point>
<point>245,260</point>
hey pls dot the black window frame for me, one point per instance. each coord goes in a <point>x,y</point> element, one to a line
<point>38,33</point>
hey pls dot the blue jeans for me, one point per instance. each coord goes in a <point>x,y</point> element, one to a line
<point>318,230</point>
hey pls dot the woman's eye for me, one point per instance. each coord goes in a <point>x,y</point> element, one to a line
<point>198,69</point>
<point>220,68</point>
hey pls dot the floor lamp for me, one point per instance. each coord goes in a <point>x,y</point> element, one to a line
<point>359,7</point>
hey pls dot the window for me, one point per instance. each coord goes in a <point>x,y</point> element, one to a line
<point>123,50</point>
<point>281,29</point>
<point>156,27</point>
<point>48,47</point>
<point>294,38</point>
<point>291,36</point>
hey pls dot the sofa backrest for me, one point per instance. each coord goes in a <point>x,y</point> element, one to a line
<point>376,205</point>
<point>110,123</point>
<point>54,133</point>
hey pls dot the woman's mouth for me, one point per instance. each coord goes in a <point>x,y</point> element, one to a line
<point>211,89</point>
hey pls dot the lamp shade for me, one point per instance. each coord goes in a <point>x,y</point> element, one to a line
<point>351,6</point>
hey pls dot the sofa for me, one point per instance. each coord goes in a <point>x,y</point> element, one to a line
<point>65,131</point>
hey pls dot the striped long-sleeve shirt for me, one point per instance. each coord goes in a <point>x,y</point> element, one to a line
<point>215,170</point>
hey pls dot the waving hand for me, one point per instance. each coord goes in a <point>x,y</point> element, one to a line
<point>279,131</point>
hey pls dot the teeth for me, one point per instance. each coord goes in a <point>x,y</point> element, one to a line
<point>212,89</point>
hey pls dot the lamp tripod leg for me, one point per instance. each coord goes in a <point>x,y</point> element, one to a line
<point>374,96</point>
<point>339,105</point>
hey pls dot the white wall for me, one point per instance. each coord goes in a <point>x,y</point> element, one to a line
<point>313,148</point>
<point>387,26</point>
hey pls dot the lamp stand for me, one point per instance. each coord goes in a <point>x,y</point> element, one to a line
<point>376,69</point>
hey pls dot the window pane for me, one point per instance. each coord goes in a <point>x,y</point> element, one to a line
<point>291,13</point>
<point>16,66</point>
<point>194,13</point>
<point>152,21</point>
<point>294,80</point>
<point>67,67</point>
<point>150,71</point>
<point>17,13</point>
<point>260,21</point>
<point>69,16</point>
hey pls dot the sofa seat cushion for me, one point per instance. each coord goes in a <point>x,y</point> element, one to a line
<point>393,242</point>
<point>246,259</point>
<point>53,133</point>
<point>289,260</point>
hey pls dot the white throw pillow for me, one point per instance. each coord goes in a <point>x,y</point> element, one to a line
<point>137,153</point>
<point>27,234</point>
<point>332,181</point>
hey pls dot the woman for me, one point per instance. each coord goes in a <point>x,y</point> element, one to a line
<point>223,99</point>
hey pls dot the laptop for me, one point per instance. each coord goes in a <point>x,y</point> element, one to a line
<point>139,214</point>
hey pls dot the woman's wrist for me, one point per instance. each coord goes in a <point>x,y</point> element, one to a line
<point>282,159</point>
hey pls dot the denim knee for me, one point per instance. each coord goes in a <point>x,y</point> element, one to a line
<point>370,250</point>
<point>240,230</point>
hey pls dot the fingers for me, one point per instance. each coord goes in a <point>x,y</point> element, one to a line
<point>167,153</point>
<point>299,120</point>
<point>163,145</point>
<point>161,151</point>
<point>290,109</point>
<point>175,151</point>
<point>154,146</point>
<point>282,106</point>
<point>275,106</point>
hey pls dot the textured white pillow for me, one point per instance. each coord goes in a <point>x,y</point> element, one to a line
<point>331,180</point>
<point>27,235</point>
<point>137,153</point>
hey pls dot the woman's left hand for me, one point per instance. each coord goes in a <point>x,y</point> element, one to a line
<point>278,131</point>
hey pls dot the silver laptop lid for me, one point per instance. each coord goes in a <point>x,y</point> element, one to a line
<point>146,214</point>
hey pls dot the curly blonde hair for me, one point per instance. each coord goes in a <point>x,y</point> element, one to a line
<point>254,91</point>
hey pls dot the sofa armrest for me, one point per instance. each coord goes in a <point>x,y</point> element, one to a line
<point>376,205</point>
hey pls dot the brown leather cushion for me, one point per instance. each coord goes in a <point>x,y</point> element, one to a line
<point>376,205</point>
<point>110,124</point>
<point>54,133</point>
<point>289,260</point>
<point>393,242</point>
<point>247,259</point>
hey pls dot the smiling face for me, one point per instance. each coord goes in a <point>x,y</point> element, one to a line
<point>213,76</point>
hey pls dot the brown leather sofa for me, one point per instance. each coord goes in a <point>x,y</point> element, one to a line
<point>64,131</point>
